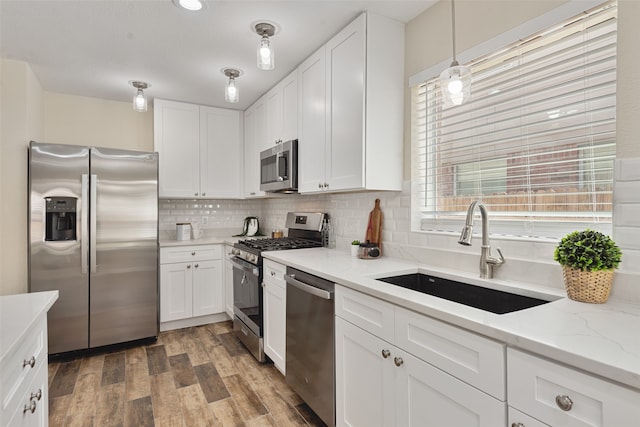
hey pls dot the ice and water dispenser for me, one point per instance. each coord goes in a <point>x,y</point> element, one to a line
<point>60,218</point>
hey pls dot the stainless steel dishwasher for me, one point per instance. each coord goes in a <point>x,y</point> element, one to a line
<point>310,366</point>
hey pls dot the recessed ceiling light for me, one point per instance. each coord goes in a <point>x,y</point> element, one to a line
<point>191,5</point>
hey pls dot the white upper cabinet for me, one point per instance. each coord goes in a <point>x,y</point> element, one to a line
<point>350,104</point>
<point>254,141</point>
<point>220,153</point>
<point>176,137</point>
<point>200,150</point>
<point>282,110</point>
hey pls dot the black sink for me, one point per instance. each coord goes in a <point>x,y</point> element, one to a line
<point>492,300</point>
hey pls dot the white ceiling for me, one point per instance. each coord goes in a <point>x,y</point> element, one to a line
<point>94,47</point>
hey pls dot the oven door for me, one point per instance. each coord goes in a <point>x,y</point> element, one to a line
<point>247,294</point>
<point>278,167</point>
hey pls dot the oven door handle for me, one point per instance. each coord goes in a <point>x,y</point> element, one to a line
<point>291,279</point>
<point>246,269</point>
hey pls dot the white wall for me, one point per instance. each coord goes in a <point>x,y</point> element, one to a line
<point>22,118</point>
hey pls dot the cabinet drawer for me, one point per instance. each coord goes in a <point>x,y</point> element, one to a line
<point>369,313</point>
<point>16,378</point>
<point>534,385</point>
<point>518,419</point>
<point>190,253</point>
<point>34,393</point>
<point>474,359</point>
<point>274,273</point>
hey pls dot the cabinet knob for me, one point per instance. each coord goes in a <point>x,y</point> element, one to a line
<point>253,193</point>
<point>326,185</point>
<point>31,362</point>
<point>386,353</point>
<point>398,361</point>
<point>273,273</point>
<point>37,395</point>
<point>193,253</point>
<point>31,407</point>
<point>195,194</point>
<point>196,266</point>
<point>319,185</point>
<point>204,194</point>
<point>188,265</point>
<point>564,402</point>
<point>517,425</point>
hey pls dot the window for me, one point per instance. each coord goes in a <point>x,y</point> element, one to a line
<point>536,142</point>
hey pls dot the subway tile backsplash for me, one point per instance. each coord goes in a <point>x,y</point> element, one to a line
<point>526,261</point>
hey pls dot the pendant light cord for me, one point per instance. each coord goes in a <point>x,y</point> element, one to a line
<point>453,27</point>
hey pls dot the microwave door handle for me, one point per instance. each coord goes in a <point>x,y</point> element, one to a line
<point>280,178</point>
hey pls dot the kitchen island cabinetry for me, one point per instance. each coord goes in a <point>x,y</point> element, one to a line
<point>350,103</point>
<point>275,313</point>
<point>191,286</point>
<point>23,361</point>
<point>200,150</point>
<point>403,389</point>
<point>561,396</point>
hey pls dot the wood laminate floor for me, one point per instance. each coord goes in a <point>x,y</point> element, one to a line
<point>200,376</point>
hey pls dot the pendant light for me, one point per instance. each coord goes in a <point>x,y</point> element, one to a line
<point>455,81</point>
<point>139,100</point>
<point>231,93</point>
<point>266,56</point>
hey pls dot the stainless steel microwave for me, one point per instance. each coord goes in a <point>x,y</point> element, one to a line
<point>279,168</point>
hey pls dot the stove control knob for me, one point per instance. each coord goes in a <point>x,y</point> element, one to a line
<point>253,258</point>
<point>235,251</point>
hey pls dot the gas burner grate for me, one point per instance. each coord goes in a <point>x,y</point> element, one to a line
<point>279,244</point>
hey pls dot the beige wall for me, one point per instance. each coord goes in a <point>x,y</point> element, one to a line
<point>428,42</point>
<point>96,122</point>
<point>29,113</point>
<point>22,118</point>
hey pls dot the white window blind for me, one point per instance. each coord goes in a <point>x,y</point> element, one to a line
<point>536,142</point>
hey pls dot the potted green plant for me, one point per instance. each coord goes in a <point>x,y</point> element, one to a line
<point>588,259</point>
<point>355,245</point>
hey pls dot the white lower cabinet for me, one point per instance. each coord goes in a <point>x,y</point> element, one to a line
<point>379,383</point>
<point>190,288</point>
<point>275,313</point>
<point>518,419</point>
<point>561,396</point>
<point>228,281</point>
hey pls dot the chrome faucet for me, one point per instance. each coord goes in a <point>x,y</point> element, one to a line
<point>487,262</point>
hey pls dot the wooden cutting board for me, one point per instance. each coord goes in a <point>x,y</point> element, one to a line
<point>374,226</point>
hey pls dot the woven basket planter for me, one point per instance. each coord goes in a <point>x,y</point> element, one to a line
<point>587,286</point>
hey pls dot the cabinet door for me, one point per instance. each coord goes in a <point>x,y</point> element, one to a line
<point>311,123</point>
<point>275,322</point>
<point>364,378</point>
<point>176,138</point>
<point>228,286</point>
<point>427,396</point>
<point>175,291</point>
<point>254,120</point>
<point>345,107</point>
<point>274,116</point>
<point>289,88</point>
<point>518,419</point>
<point>220,153</point>
<point>207,288</point>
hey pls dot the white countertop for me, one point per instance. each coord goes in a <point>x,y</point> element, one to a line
<point>599,338</point>
<point>17,315</point>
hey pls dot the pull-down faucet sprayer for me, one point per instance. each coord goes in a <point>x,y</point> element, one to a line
<point>487,262</point>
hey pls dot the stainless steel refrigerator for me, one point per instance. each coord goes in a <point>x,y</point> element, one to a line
<point>93,233</point>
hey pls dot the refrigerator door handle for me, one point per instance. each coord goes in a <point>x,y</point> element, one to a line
<point>93,229</point>
<point>84,231</point>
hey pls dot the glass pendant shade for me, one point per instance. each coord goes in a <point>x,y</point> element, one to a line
<point>231,92</point>
<point>139,101</point>
<point>455,85</point>
<point>266,60</point>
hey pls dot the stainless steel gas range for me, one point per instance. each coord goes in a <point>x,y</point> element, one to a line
<point>305,231</point>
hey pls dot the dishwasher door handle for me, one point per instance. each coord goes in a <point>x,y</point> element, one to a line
<point>290,279</point>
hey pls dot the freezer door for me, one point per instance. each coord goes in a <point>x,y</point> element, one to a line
<point>124,251</point>
<point>55,174</point>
